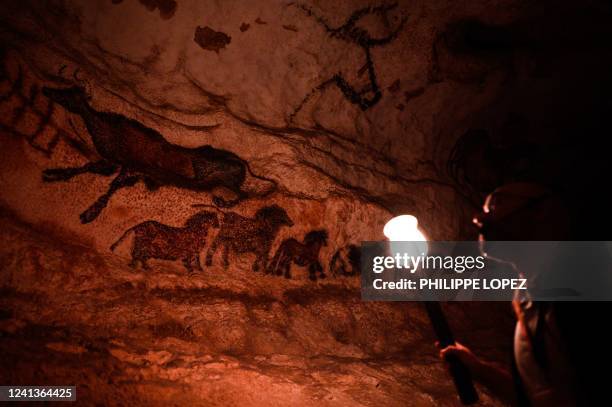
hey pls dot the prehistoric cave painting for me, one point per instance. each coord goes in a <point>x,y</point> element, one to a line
<point>304,254</point>
<point>167,8</point>
<point>139,153</point>
<point>25,114</point>
<point>249,235</point>
<point>346,261</point>
<point>154,240</point>
<point>350,32</point>
<point>211,40</point>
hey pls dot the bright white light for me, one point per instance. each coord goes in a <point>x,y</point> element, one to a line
<point>404,228</point>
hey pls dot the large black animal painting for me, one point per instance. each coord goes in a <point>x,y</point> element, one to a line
<point>304,254</point>
<point>139,153</point>
<point>249,235</point>
<point>154,240</point>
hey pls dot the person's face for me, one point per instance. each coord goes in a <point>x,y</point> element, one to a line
<point>498,223</point>
<point>506,217</point>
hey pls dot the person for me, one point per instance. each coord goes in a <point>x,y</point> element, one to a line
<point>554,357</point>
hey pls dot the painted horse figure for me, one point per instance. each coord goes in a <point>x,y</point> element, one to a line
<point>304,254</point>
<point>241,234</point>
<point>154,240</point>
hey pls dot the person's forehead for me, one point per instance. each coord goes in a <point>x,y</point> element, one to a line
<point>500,203</point>
<point>486,207</point>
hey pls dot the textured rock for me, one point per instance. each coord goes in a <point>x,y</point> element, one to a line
<point>261,98</point>
<point>342,114</point>
<point>215,338</point>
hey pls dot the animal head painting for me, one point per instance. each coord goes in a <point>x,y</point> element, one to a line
<point>274,215</point>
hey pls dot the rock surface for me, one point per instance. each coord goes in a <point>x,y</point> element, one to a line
<point>159,337</point>
<point>338,114</point>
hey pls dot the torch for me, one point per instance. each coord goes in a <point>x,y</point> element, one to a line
<point>404,228</point>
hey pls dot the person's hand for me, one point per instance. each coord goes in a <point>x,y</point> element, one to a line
<point>498,379</point>
<point>464,354</point>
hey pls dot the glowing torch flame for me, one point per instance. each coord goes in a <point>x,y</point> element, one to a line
<point>404,228</point>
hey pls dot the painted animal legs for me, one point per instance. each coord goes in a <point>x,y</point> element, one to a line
<point>187,264</point>
<point>261,261</point>
<point>211,252</point>
<point>124,179</point>
<point>276,265</point>
<point>191,261</point>
<point>287,266</point>
<point>101,167</point>
<point>226,256</point>
<point>197,262</point>
<point>313,269</point>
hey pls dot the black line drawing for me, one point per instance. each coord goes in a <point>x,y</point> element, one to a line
<point>350,32</point>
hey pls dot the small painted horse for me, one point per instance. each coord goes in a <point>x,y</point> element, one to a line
<point>301,254</point>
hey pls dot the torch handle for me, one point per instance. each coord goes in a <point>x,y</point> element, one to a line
<point>462,379</point>
<point>459,372</point>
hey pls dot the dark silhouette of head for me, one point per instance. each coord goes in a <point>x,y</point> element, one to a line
<point>523,211</point>
<point>205,218</point>
<point>316,236</point>
<point>274,215</point>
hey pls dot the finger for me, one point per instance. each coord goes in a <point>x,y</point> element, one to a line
<point>449,350</point>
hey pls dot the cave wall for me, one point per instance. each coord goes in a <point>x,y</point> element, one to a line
<point>330,117</point>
